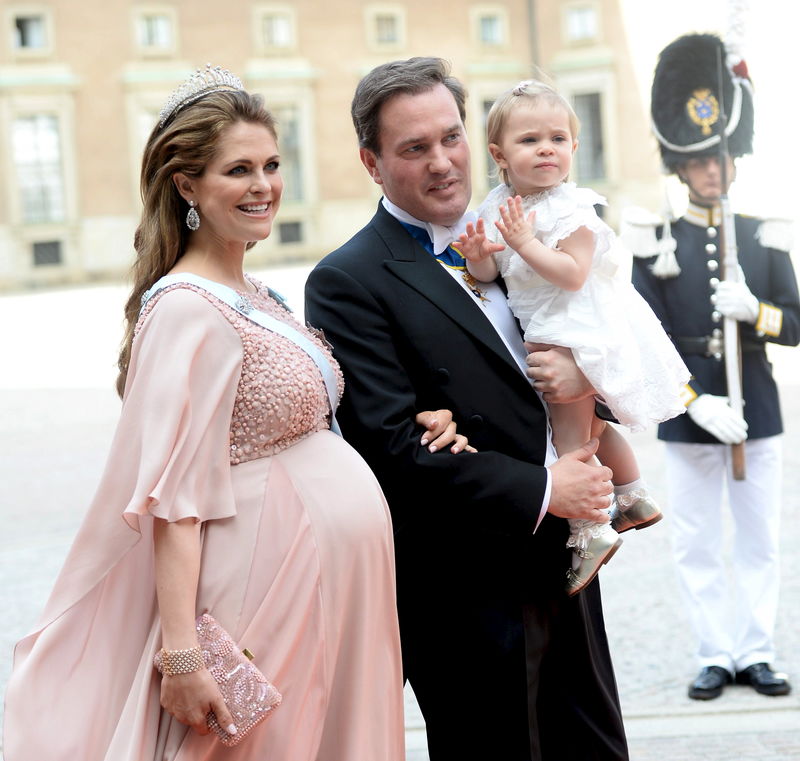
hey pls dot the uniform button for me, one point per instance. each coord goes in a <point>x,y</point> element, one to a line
<point>716,333</point>
<point>476,421</point>
<point>716,316</point>
<point>713,265</point>
<point>443,375</point>
<point>718,356</point>
<point>714,282</point>
<point>711,249</point>
<point>711,232</point>
<point>713,298</point>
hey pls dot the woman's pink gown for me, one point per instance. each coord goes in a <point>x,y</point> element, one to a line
<point>226,422</point>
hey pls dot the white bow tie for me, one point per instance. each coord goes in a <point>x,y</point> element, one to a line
<point>442,236</point>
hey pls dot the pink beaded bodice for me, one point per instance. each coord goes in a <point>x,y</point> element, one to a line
<point>281,397</point>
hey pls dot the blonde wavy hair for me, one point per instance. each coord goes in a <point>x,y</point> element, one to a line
<point>184,144</point>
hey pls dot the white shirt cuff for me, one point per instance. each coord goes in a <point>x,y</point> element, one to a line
<point>546,500</point>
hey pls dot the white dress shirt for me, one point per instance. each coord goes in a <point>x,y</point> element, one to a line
<point>495,307</point>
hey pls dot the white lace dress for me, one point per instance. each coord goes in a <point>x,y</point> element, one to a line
<point>616,339</point>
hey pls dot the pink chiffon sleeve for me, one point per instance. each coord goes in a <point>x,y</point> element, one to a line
<point>173,438</point>
<point>170,454</point>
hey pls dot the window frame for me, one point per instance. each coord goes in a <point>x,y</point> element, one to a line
<point>60,105</point>
<point>261,13</point>
<point>378,10</point>
<point>290,83</point>
<point>15,12</point>
<point>279,110</point>
<point>599,80</point>
<point>139,14</point>
<point>23,217</point>
<point>45,264</point>
<point>581,5</point>
<point>500,13</point>
<point>601,109</point>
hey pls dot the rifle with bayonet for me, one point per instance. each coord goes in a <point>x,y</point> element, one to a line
<point>729,261</point>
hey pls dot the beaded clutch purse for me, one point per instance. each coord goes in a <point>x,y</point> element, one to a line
<point>249,696</point>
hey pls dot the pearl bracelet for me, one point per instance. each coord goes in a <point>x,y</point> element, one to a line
<point>181,661</point>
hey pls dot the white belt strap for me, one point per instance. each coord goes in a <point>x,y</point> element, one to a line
<point>241,304</point>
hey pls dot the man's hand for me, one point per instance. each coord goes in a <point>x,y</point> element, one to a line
<point>555,374</point>
<point>579,489</point>
<point>714,414</point>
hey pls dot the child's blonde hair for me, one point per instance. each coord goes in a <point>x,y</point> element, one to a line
<point>527,92</point>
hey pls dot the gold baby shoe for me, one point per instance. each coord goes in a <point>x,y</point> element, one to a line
<point>637,509</point>
<point>597,549</point>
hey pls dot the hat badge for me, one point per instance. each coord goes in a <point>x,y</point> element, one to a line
<point>703,109</point>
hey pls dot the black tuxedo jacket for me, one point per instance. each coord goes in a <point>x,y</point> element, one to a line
<point>409,338</point>
<point>478,591</point>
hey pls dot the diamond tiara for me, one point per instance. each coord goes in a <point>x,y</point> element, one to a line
<point>202,82</point>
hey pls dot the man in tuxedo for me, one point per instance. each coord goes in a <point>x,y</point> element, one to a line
<point>503,663</point>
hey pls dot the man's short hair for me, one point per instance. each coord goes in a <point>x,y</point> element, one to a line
<point>384,82</point>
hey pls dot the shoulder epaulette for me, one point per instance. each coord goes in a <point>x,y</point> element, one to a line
<point>776,233</point>
<point>637,231</point>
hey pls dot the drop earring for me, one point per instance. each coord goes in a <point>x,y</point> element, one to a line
<point>192,217</point>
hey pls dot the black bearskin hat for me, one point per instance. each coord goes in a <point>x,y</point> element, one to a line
<point>685,104</point>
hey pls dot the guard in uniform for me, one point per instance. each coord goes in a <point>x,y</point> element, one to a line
<point>677,270</point>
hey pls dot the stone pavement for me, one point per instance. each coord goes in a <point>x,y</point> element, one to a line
<point>57,414</point>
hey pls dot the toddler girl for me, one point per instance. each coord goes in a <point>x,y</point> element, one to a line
<point>559,265</point>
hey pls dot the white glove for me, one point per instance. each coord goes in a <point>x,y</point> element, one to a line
<point>735,300</point>
<point>713,414</point>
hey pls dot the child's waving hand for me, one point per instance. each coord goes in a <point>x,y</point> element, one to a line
<point>473,244</point>
<point>516,230</point>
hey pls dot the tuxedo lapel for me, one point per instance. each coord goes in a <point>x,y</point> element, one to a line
<point>411,263</point>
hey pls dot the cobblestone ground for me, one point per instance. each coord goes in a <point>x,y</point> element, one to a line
<point>57,413</point>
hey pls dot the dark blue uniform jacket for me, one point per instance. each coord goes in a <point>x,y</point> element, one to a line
<point>685,309</point>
